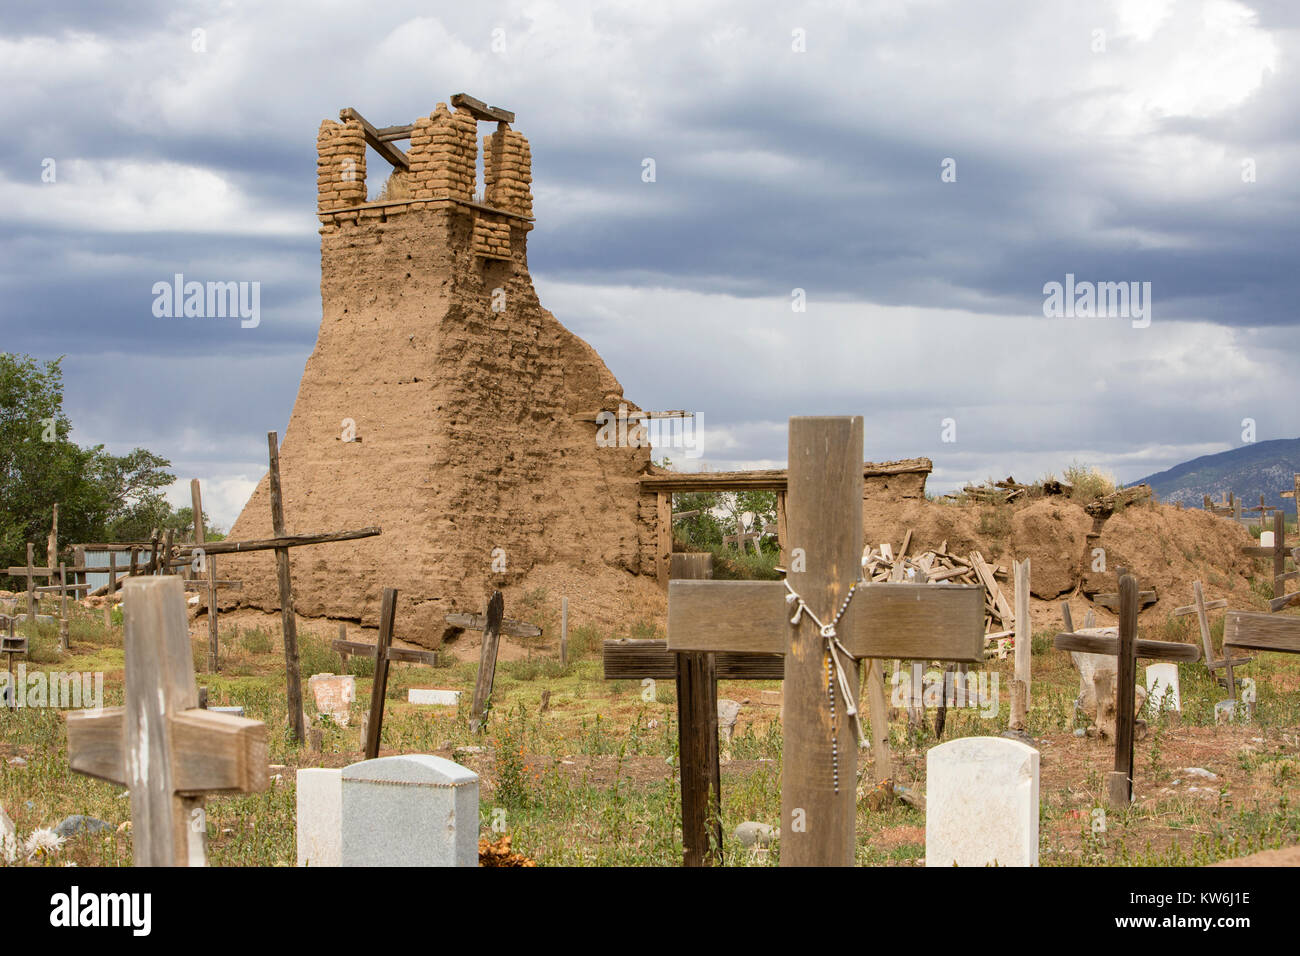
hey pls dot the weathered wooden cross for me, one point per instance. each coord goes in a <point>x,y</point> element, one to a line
<point>1127,648</point>
<point>1277,554</point>
<point>161,745</point>
<point>62,589</point>
<point>493,624</point>
<point>1212,662</point>
<point>890,620</point>
<point>696,676</point>
<point>281,544</point>
<point>383,653</point>
<point>209,566</point>
<point>1262,632</point>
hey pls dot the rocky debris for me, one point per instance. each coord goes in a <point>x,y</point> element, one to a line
<point>71,826</point>
<point>752,834</point>
<point>728,711</point>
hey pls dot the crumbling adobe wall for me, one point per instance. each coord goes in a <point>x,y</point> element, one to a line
<point>465,395</point>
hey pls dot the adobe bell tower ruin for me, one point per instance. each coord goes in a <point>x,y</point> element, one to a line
<point>442,402</point>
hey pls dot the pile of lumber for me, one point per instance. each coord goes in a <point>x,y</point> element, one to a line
<point>936,565</point>
<point>1107,505</point>
<point>1008,490</point>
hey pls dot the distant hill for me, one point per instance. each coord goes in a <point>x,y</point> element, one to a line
<point>1262,468</point>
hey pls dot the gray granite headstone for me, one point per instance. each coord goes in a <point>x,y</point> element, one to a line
<point>410,810</point>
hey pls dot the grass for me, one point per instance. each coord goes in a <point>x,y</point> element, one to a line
<point>591,781</point>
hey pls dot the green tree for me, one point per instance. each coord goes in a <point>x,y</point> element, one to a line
<point>101,497</point>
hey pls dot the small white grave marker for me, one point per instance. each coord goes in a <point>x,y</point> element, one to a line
<point>1162,687</point>
<point>410,810</point>
<point>981,803</point>
<point>433,695</point>
<point>320,816</point>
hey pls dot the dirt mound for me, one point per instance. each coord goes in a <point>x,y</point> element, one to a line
<point>1166,547</point>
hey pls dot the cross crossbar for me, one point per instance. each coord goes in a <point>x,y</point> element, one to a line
<point>1261,632</point>
<point>942,622</point>
<point>1151,650</point>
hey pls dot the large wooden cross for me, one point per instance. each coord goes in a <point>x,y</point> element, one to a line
<point>905,621</point>
<point>1127,648</point>
<point>281,544</point>
<point>161,745</point>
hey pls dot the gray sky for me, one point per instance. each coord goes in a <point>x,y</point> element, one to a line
<point>1106,140</point>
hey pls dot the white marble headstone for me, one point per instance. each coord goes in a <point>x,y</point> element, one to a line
<point>320,816</point>
<point>410,810</point>
<point>981,803</point>
<point>1162,685</point>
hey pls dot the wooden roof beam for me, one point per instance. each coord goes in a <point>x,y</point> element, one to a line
<point>383,147</point>
<point>480,110</point>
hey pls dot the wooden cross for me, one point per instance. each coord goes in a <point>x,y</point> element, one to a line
<point>1227,663</point>
<point>1127,648</point>
<point>62,589</point>
<point>161,745</point>
<point>1278,554</point>
<point>906,621</point>
<point>208,565</point>
<point>383,653</point>
<point>281,544</point>
<point>493,624</point>
<point>741,537</point>
<point>1267,632</point>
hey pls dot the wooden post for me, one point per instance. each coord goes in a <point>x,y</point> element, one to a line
<point>1296,494</point>
<point>1024,648</point>
<point>1120,781</point>
<point>112,587</point>
<point>782,533</point>
<point>1279,551</point>
<point>210,565</point>
<point>52,545</point>
<point>63,606</point>
<point>379,687</point>
<point>487,662</point>
<point>564,632</point>
<point>819,778</point>
<point>288,622</point>
<point>874,684</point>
<point>161,746</point>
<point>697,730</point>
<point>664,536</point>
<point>196,505</point>
<point>31,589</point>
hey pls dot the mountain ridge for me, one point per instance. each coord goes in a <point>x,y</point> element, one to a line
<point>1266,467</point>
